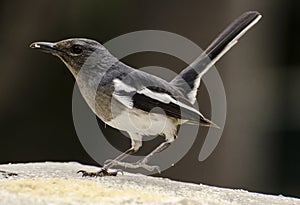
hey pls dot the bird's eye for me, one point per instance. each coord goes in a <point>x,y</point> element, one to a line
<point>76,49</point>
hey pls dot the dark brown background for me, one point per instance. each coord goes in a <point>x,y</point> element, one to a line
<point>259,149</point>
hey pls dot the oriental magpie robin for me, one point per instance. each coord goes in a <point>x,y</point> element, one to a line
<point>125,98</point>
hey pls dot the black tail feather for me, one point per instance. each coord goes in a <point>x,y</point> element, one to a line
<point>189,79</point>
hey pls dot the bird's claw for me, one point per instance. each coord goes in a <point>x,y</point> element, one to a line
<point>101,173</point>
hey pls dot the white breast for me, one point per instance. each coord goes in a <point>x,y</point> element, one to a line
<point>138,121</point>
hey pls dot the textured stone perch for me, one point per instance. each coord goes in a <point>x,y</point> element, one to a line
<point>58,183</point>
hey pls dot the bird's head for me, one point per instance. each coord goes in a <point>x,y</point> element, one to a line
<point>73,52</point>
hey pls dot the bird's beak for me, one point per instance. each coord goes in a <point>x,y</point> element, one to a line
<point>45,47</point>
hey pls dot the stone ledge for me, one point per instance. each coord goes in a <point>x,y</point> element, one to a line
<point>58,183</point>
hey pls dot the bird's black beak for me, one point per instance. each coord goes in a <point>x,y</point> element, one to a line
<point>45,47</point>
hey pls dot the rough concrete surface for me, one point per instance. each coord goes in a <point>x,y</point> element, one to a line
<point>58,183</point>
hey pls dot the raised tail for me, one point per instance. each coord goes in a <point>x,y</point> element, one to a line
<point>188,80</point>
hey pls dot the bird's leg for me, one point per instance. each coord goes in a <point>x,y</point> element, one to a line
<point>136,143</point>
<point>143,163</point>
<point>159,149</point>
<point>108,164</point>
<point>112,162</point>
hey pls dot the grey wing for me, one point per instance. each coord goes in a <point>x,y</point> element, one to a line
<point>145,92</point>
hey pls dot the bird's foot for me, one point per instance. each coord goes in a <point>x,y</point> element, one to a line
<point>136,165</point>
<point>103,172</point>
<point>8,174</point>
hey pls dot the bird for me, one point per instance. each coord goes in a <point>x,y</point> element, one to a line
<point>123,92</point>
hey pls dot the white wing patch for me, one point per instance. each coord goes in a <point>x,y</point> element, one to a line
<point>124,92</point>
<point>162,97</point>
<point>165,98</point>
<point>121,87</point>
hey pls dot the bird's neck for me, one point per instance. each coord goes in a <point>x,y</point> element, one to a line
<point>90,74</point>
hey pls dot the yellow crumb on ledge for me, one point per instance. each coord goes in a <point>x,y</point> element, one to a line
<point>76,189</point>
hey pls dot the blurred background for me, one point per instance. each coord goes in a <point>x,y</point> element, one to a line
<point>260,147</point>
